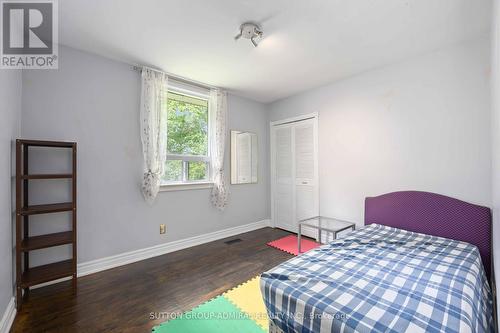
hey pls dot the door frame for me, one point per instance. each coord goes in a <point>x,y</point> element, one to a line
<point>272,124</point>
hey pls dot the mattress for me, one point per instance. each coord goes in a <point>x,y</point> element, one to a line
<point>381,279</point>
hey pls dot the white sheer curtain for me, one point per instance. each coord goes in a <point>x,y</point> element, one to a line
<point>218,107</point>
<point>153,130</point>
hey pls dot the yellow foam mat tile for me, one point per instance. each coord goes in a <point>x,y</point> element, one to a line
<point>248,298</point>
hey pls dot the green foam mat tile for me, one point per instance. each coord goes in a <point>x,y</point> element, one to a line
<point>215,316</point>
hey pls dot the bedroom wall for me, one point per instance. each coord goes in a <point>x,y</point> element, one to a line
<point>495,139</point>
<point>95,102</point>
<point>10,110</point>
<point>422,124</point>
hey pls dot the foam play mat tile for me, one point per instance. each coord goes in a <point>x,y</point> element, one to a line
<point>289,244</point>
<point>247,297</point>
<point>218,315</point>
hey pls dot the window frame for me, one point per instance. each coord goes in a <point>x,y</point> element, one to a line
<point>185,184</point>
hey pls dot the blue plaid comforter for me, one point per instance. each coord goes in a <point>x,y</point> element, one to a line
<point>381,279</point>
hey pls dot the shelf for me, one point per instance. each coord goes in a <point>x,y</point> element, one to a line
<point>44,241</point>
<point>38,143</point>
<point>45,209</point>
<point>64,269</point>
<point>40,274</point>
<point>48,176</point>
<point>45,273</point>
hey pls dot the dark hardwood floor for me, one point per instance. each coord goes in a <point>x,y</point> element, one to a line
<point>122,299</point>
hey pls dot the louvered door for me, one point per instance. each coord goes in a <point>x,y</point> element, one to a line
<point>284,178</point>
<point>306,187</point>
<point>295,175</point>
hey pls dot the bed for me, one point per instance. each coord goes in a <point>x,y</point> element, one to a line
<point>419,265</point>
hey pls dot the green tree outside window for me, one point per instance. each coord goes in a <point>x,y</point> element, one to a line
<point>187,134</point>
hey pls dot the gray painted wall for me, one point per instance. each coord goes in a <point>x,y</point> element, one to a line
<point>10,110</point>
<point>421,124</point>
<point>95,102</point>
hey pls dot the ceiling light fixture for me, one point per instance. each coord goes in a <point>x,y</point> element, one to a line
<point>250,31</point>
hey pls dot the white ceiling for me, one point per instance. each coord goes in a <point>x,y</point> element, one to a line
<point>306,43</point>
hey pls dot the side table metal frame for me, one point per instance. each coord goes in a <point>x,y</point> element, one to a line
<point>320,229</point>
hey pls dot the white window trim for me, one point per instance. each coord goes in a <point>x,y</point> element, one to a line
<point>168,187</point>
<point>188,90</point>
<point>189,158</point>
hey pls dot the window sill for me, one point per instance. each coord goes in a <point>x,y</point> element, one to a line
<point>184,187</point>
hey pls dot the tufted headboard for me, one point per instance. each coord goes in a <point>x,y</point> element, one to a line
<point>434,214</point>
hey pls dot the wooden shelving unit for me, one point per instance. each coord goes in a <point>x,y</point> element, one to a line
<point>27,276</point>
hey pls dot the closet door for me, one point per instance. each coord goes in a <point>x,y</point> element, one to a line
<point>284,178</point>
<point>306,186</point>
<point>294,174</point>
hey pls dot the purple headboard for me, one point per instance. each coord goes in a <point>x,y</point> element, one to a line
<point>434,214</point>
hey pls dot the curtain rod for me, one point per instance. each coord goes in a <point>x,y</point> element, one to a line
<point>176,78</point>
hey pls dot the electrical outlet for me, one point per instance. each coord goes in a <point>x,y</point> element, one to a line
<point>163,228</point>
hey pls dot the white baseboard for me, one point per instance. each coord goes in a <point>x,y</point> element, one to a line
<point>102,264</point>
<point>36,286</point>
<point>8,316</point>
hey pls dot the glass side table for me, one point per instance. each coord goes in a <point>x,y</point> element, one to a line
<point>322,223</point>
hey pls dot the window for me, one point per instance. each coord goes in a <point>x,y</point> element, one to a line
<point>188,148</point>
